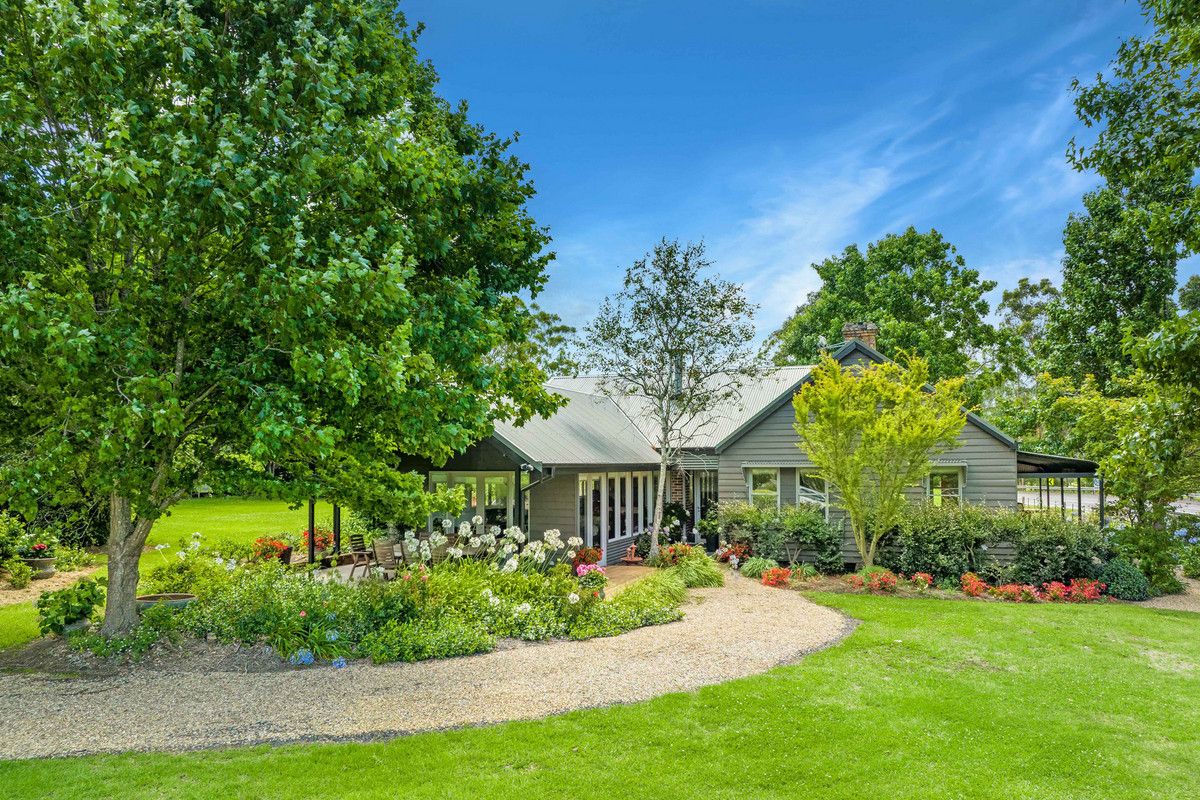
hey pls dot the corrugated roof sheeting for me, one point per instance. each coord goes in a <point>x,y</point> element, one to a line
<point>756,393</point>
<point>589,429</point>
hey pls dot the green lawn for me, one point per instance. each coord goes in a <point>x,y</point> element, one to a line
<point>18,624</point>
<point>233,519</point>
<point>928,698</point>
<point>217,518</point>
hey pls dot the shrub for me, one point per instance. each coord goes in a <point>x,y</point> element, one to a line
<point>755,566</point>
<point>324,539</point>
<point>948,584</point>
<point>806,525</point>
<point>269,547</point>
<point>1016,592</point>
<point>37,544</point>
<point>875,579</point>
<point>56,610</point>
<point>592,578</point>
<point>776,576</point>
<point>1079,590</point>
<point>766,532</point>
<point>943,541</point>
<point>1053,549</point>
<point>159,622</point>
<point>1190,561</point>
<point>1155,551</point>
<point>804,572</point>
<point>424,638</point>
<point>642,542</point>
<point>739,551</point>
<point>1124,580</point>
<point>653,600</point>
<point>20,574</point>
<point>11,533</point>
<point>698,571</point>
<point>972,585</point>
<point>72,559</point>
<point>671,555</point>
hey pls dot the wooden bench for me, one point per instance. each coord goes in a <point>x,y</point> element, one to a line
<point>631,556</point>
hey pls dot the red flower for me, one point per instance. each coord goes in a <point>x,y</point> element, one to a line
<point>776,576</point>
<point>40,546</point>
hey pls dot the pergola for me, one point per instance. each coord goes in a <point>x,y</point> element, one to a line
<point>1048,469</point>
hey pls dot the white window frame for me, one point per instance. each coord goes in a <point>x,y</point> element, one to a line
<point>943,469</point>
<point>750,485</point>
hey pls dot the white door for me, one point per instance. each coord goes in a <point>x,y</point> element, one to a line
<point>593,513</point>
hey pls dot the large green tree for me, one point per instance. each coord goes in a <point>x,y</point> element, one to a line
<point>1189,294</point>
<point>234,234</point>
<point>919,291</point>
<point>1117,279</point>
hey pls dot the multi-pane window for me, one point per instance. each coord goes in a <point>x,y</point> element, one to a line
<point>764,487</point>
<point>945,486</point>
<point>811,488</point>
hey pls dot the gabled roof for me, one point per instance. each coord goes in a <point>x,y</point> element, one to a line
<point>841,353</point>
<point>755,394</point>
<point>595,429</point>
<point>589,430</point>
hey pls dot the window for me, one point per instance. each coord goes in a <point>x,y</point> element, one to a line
<point>487,494</point>
<point>945,486</point>
<point>764,487</point>
<point>811,488</point>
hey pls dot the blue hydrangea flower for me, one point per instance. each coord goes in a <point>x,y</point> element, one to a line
<point>339,662</point>
<point>332,636</point>
<point>303,657</point>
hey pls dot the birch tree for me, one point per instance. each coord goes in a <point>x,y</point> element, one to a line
<point>679,341</point>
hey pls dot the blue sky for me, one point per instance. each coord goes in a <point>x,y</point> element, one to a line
<point>780,132</point>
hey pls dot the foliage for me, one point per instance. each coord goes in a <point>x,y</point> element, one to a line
<point>804,572</point>
<point>72,559</point>
<point>662,588</point>
<point>921,581</point>
<point>322,542</point>
<point>755,566</point>
<point>158,623</point>
<point>1023,310</point>
<point>1124,581</point>
<point>1049,548</point>
<point>874,579</point>
<point>1032,414</point>
<point>58,609</point>
<point>871,432</point>
<point>424,638</point>
<point>671,555</point>
<point>269,547</point>
<point>944,541</point>
<point>592,578</point>
<point>1116,282</point>
<point>697,570</point>
<point>11,533</point>
<point>776,576</point>
<point>379,242</point>
<point>766,532</point>
<point>1189,294</point>
<point>677,339</point>
<point>733,553</point>
<point>20,574</point>
<point>642,542</point>
<point>973,585</point>
<point>918,290</point>
<point>1190,561</point>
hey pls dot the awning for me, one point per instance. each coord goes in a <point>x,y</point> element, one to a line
<point>1030,463</point>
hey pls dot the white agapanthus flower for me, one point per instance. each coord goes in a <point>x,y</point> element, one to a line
<point>524,608</point>
<point>464,530</point>
<point>476,520</point>
<point>447,523</point>
<point>474,541</point>
<point>196,534</point>
<point>509,566</point>
<point>454,552</point>
<point>219,560</point>
<point>575,541</point>
<point>570,554</point>
<point>573,598</point>
<point>540,557</point>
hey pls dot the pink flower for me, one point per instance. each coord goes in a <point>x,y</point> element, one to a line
<point>303,613</point>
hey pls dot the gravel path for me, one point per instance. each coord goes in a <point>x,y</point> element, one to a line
<point>1187,600</point>
<point>741,629</point>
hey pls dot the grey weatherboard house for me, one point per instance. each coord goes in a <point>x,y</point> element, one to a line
<point>591,469</point>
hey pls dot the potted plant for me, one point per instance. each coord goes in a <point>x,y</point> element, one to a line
<point>38,552</point>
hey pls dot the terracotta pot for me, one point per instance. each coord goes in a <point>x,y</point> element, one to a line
<point>174,600</point>
<point>42,567</point>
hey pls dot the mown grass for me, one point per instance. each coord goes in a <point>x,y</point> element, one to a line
<point>218,519</point>
<point>927,698</point>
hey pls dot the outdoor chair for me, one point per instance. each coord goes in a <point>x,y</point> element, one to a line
<point>359,555</point>
<point>385,557</point>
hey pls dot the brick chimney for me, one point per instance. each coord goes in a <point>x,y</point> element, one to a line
<point>865,332</point>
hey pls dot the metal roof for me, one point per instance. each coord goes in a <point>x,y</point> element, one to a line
<point>756,394</point>
<point>589,429</point>
<point>1031,463</point>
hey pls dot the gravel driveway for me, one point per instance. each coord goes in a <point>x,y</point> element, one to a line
<point>741,629</point>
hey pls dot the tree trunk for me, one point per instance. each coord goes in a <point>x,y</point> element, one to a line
<point>658,506</point>
<point>126,538</point>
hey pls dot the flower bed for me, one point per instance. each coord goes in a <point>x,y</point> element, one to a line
<point>509,587</point>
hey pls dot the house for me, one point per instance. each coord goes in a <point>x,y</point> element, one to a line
<point>591,469</point>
